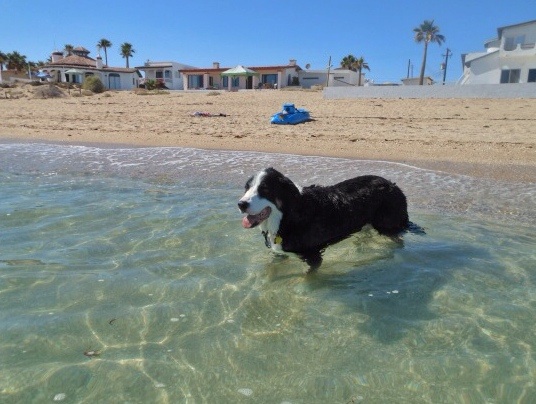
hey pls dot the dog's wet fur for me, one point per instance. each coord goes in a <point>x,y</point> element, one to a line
<point>307,220</point>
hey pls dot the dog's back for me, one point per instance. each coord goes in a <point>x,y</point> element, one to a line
<point>328,214</point>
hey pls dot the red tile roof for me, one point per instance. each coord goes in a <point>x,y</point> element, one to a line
<point>210,70</point>
<point>74,60</point>
<point>86,63</point>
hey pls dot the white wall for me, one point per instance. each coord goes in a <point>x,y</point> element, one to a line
<point>310,78</point>
<point>527,90</point>
<point>337,78</point>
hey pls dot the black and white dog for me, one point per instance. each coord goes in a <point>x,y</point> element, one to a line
<point>307,220</point>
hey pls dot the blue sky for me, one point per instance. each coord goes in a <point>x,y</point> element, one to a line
<point>262,32</point>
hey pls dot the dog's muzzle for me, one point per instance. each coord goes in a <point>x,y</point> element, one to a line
<point>243,206</point>
<point>251,221</point>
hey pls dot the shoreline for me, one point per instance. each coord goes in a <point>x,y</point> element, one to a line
<point>519,174</point>
<point>485,138</point>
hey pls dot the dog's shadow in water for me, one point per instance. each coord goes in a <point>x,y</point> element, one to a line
<point>393,286</point>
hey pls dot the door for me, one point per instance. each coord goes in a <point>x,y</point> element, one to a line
<point>249,83</point>
<point>114,81</point>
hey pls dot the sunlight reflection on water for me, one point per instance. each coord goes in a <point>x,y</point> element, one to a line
<point>138,254</point>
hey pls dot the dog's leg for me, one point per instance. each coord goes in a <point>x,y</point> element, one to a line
<point>313,259</point>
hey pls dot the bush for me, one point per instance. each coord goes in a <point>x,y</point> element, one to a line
<point>151,84</point>
<point>94,84</point>
<point>49,91</point>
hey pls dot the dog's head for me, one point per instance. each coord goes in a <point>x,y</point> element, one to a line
<point>269,194</point>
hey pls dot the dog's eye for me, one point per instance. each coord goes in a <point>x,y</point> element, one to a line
<point>264,190</point>
<point>248,183</point>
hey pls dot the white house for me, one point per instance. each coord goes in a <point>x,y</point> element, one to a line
<point>509,58</point>
<point>167,74</point>
<point>75,67</point>
<point>337,78</point>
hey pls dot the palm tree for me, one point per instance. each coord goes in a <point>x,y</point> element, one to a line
<point>68,50</point>
<point>127,51</point>
<point>347,62</point>
<point>427,32</point>
<point>104,44</point>
<point>359,65</point>
<point>16,61</point>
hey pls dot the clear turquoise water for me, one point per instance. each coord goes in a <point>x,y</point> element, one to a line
<point>139,255</point>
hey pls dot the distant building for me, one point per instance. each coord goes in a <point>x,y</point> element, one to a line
<point>276,76</point>
<point>337,78</point>
<point>414,81</point>
<point>77,66</point>
<point>167,74</point>
<point>509,58</point>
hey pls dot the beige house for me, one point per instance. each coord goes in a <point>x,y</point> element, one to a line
<point>262,77</point>
<point>77,66</point>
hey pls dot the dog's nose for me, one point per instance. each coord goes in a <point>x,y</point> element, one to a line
<point>243,205</point>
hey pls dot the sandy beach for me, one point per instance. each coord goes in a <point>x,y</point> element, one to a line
<point>493,138</point>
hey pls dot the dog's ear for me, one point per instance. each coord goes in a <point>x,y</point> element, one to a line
<point>289,192</point>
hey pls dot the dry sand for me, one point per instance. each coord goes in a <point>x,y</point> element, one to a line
<point>493,138</point>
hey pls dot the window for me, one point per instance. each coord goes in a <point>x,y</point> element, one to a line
<point>532,76</point>
<point>159,74</point>
<point>510,76</point>
<point>225,81</point>
<point>195,81</point>
<point>269,78</point>
<point>235,82</point>
<point>167,74</point>
<point>510,43</point>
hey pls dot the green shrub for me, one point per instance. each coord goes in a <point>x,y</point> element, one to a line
<point>94,84</point>
<point>150,84</point>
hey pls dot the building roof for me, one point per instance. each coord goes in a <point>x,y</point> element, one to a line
<point>87,63</point>
<point>80,49</point>
<point>75,60</point>
<point>162,64</point>
<point>213,70</point>
<point>501,29</point>
<point>467,58</point>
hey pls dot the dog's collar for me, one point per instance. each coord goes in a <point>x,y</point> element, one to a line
<point>277,240</point>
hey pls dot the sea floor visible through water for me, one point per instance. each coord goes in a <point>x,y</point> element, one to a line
<point>125,276</point>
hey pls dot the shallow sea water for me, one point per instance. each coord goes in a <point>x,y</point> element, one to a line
<point>125,276</point>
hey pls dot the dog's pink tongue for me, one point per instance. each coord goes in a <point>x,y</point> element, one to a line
<point>246,223</point>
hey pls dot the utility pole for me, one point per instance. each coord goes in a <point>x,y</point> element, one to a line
<point>447,55</point>
<point>329,68</point>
